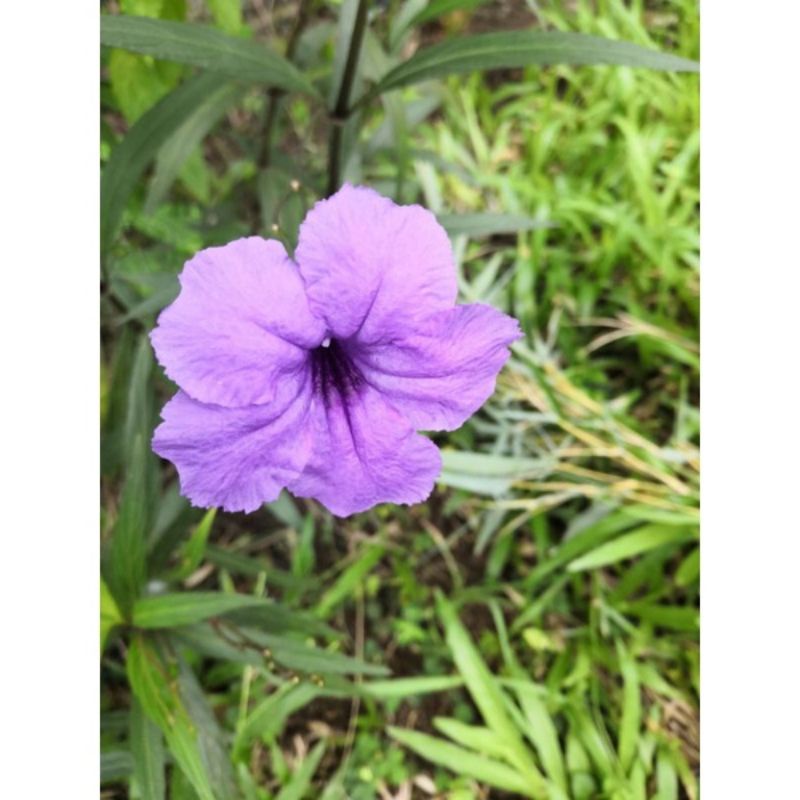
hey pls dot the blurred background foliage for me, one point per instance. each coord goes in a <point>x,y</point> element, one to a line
<point>532,630</point>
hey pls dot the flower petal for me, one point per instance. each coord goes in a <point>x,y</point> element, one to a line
<point>365,453</point>
<point>237,458</point>
<point>240,325</point>
<point>444,371</point>
<point>372,268</point>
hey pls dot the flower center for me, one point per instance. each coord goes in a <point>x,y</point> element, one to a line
<point>333,372</point>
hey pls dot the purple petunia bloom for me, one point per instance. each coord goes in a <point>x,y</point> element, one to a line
<point>316,375</point>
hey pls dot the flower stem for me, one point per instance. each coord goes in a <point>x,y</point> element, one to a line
<point>341,109</point>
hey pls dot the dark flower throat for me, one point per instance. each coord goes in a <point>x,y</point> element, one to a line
<point>334,373</point>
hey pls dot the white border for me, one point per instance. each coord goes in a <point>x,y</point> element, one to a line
<point>750,418</point>
<point>49,639</point>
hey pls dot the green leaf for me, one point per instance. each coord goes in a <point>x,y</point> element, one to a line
<point>126,562</point>
<point>642,540</point>
<point>156,689</point>
<point>580,769</point>
<point>268,717</point>
<point>192,551</point>
<point>300,782</point>
<point>212,741</point>
<point>227,14</point>
<point>667,776</point>
<point>474,737</point>
<point>476,225</point>
<point>139,411</point>
<point>488,696</point>
<point>138,82</point>
<point>295,654</point>
<point>589,537</point>
<point>115,765</point>
<point>486,473</point>
<point>186,608</point>
<point>147,748</point>
<point>347,582</point>
<point>630,722</point>
<point>543,734</point>
<point>131,156</point>
<point>177,150</point>
<point>508,49</point>
<point>277,618</point>
<point>410,687</point>
<point>109,614</point>
<point>203,46</point>
<point>438,8</point>
<point>689,569</point>
<point>679,618</point>
<point>250,646</point>
<point>464,762</point>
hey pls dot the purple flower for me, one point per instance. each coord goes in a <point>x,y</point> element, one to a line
<point>316,376</point>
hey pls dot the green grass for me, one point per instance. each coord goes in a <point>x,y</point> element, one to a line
<point>537,620</point>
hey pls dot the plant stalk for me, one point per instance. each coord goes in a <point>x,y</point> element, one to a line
<point>341,109</point>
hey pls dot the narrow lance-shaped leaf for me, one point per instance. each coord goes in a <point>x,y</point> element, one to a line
<point>465,762</point>
<point>643,539</point>
<point>438,8</point>
<point>349,580</point>
<point>211,740</point>
<point>486,224</point>
<point>130,157</point>
<point>147,749</point>
<point>629,733</point>
<point>115,765</point>
<point>488,695</point>
<point>541,730</point>
<point>203,46</point>
<point>298,786</point>
<point>192,551</point>
<point>509,49</point>
<point>126,559</point>
<point>176,609</point>
<point>269,715</point>
<point>410,687</point>
<point>176,151</point>
<point>157,691</point>
<point>109,614</point>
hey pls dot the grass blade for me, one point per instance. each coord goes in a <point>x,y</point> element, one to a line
<point>409,687</point>
<point>298,786</point>
<point>487,695</point>
<point>464,762</point>
<point>344,586</point>
<point>631,709</point>
<point>474,737</point>
<point>476,225</point>
<point>542,732</point>
<point>642,540</point>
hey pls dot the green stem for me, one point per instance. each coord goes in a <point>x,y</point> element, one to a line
<point>341,110</point>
